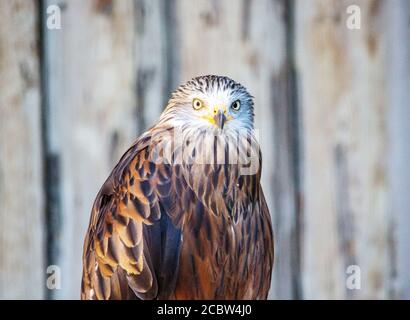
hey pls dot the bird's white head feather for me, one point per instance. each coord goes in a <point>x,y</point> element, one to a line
<point>198,101</point>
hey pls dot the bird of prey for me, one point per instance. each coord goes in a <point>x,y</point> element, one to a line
<point>182,215</point>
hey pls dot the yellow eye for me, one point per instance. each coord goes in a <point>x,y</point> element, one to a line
<point>236,105</point>
<point>197,104</point>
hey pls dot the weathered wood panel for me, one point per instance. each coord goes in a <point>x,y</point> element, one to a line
<point>247,42</point>
<point>344,102</point>
<point>22,271</point>
<point>92,117</point>
<point>151,56</point>
<point>399,147</point>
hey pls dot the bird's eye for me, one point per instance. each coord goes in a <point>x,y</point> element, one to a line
<point>197,104</point>
<point>236,105</point>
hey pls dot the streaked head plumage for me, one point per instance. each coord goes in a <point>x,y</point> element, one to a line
<point>211,102</point>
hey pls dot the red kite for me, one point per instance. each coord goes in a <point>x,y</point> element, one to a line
<point>183,215</point>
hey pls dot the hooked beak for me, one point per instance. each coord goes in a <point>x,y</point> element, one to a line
<point>220,119</point>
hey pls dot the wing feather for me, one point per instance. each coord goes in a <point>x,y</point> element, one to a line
<point>134,206</point>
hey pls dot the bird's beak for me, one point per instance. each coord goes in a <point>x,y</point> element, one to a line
<point>220,119</point>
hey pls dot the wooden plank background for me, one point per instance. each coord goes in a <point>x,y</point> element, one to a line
<point>21,204</point>
<point>398,81</point>
<point>345,188</point>
<point>331,109</point>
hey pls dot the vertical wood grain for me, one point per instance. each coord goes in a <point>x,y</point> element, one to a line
<point>344,102</point>
<point>151,52</point>
<point>399,148</point>
<point>92,116</point>
<point>247,42</point>
<point>22,271</point>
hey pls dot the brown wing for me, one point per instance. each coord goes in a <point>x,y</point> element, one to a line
<point>133,242</point>
<point>266,242</point>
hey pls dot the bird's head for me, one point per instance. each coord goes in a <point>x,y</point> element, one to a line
<point>212,121</point>
<point>211,102</point>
